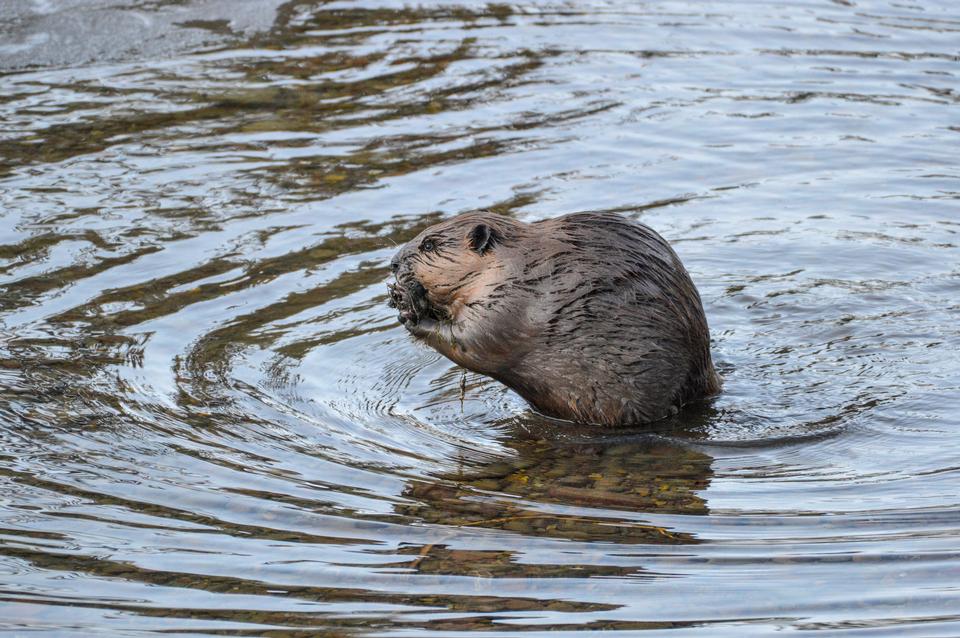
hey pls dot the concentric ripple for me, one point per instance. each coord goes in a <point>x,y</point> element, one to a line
<point>211,422</point>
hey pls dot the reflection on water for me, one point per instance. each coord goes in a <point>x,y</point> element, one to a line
<point>211,422</point>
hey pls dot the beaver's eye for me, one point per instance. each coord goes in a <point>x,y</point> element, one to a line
<point>428,245</point>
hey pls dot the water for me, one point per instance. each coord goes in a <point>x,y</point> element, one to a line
<point>212,424</point>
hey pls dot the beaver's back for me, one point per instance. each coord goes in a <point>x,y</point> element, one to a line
<point>619,333</point>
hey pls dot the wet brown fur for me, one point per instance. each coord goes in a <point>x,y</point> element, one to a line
<point>590,317</point>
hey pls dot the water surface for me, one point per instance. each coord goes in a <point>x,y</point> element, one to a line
<point>212,424</point>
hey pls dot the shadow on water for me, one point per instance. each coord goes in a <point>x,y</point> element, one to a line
<point>632,474</point>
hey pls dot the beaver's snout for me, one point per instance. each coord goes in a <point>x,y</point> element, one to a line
<point>410,298</point>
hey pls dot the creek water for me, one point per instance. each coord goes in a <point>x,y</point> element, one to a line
<point>211,423</point>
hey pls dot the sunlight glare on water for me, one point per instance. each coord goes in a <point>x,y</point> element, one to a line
<point>212,423</point>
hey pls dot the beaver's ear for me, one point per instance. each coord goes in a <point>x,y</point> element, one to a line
<point>482,238</point>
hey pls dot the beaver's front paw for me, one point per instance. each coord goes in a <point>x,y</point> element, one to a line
<point>421,328</point>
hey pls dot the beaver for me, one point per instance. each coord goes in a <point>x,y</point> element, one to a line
<point>589,317</point>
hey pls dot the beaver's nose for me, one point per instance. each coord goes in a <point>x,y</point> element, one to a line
<point>395,263</point>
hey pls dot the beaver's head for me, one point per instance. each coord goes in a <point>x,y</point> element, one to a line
<point>448,267</point>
